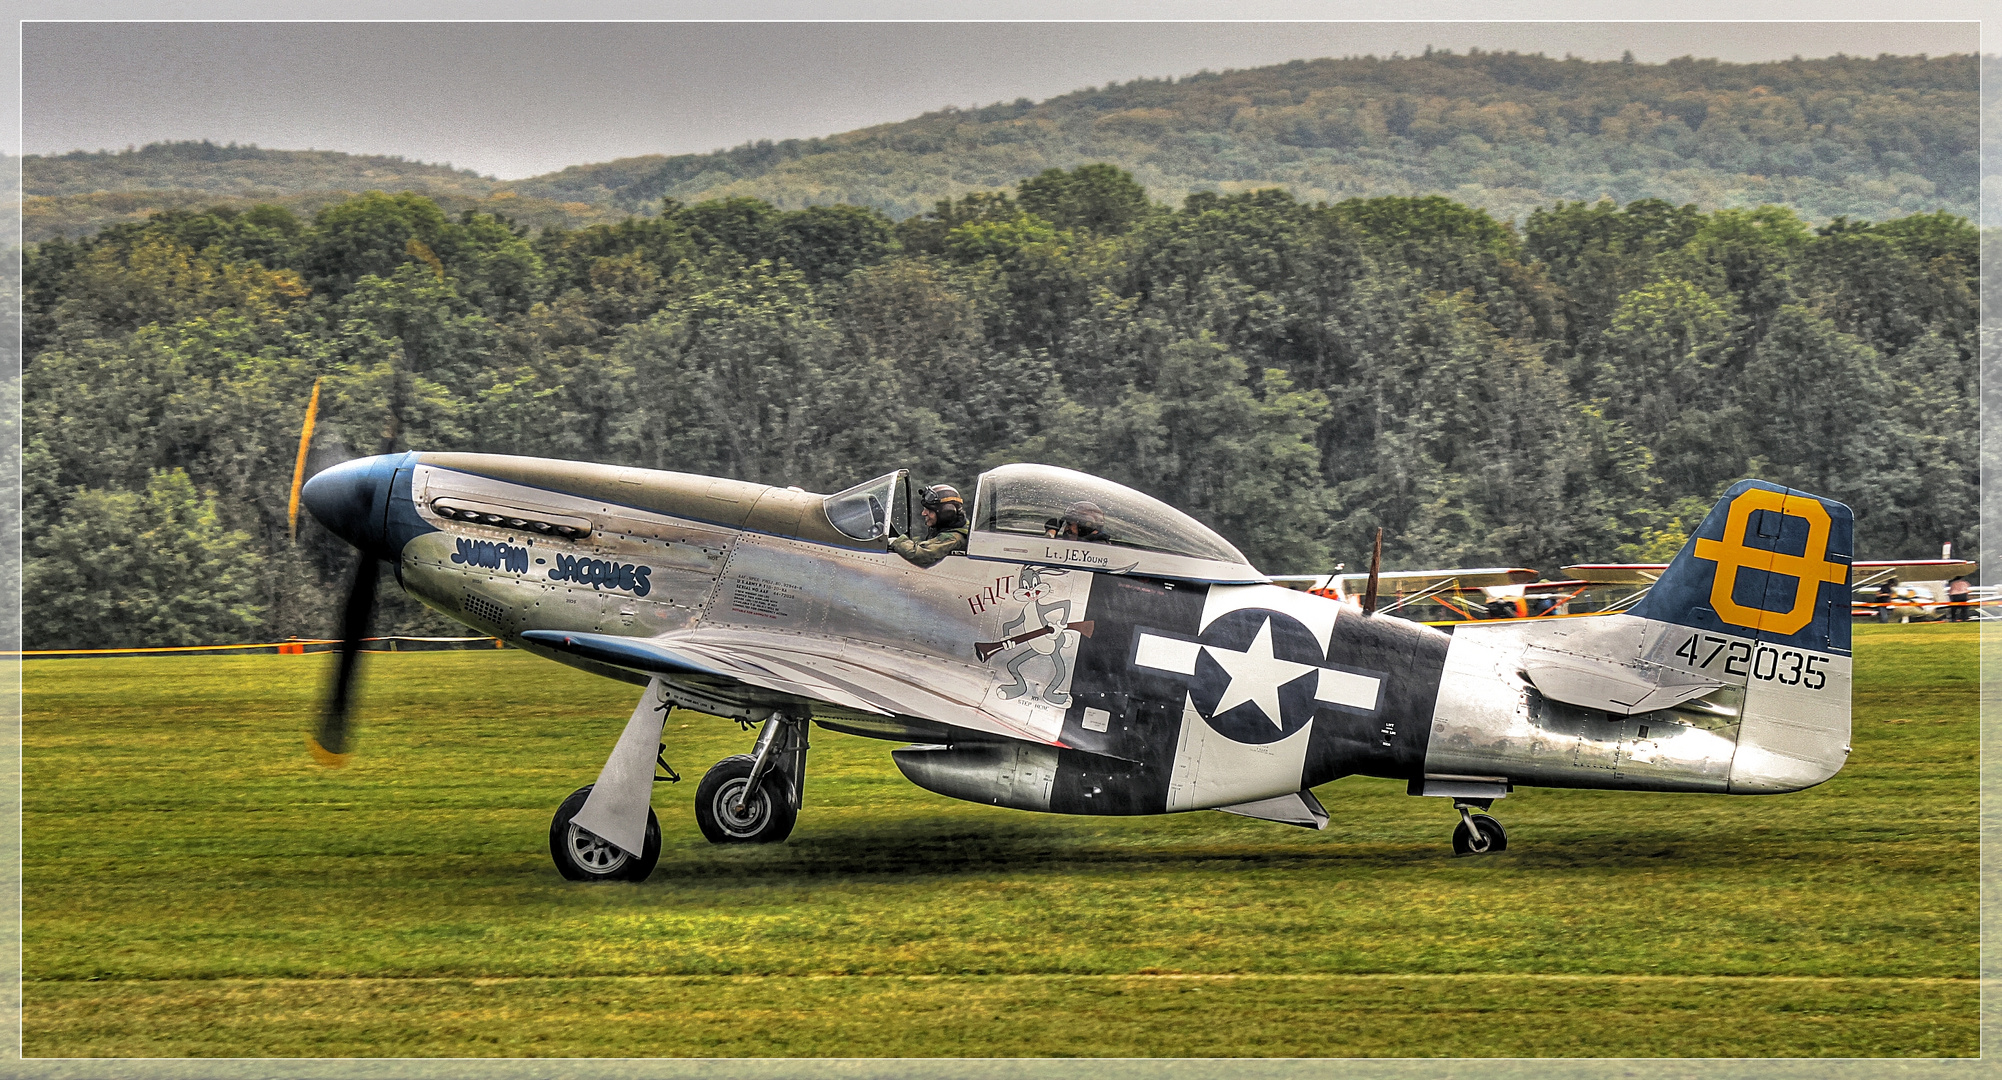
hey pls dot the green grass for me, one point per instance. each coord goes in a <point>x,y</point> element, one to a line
<point>196,886</point>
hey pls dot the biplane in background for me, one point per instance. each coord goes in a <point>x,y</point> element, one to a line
<point>1918,585</point>
<point>1482,594</point>
<point>1428,596</point>
<point>1150,670</point>
<point>1448,597</point>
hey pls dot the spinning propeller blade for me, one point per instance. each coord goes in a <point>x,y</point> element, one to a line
<point>329,742</point>
<point>1375,573</point>
<point>299,469</point>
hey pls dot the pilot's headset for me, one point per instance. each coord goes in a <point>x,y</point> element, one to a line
<point>937,498</point>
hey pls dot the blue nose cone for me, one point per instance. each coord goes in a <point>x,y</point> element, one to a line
<point>352,500</point>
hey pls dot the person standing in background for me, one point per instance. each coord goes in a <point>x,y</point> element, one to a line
<point>1957,593</point>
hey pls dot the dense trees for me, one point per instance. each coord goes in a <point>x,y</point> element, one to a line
<point>1297,374</point>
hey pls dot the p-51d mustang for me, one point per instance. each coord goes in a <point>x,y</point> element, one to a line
<point>1150,672</point>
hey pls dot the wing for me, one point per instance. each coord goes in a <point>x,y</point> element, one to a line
<point>782,670</point>
<point>1869,572</point>
<point>1617,573</point>
<point>1482,577</point>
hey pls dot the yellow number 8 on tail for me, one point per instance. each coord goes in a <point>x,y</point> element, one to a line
<point>1809,569</point>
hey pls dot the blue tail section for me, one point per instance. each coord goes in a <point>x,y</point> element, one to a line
<point>1768,562</point>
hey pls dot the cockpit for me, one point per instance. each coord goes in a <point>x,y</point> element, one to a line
<point>872,510</point>
<point>1058,517</point>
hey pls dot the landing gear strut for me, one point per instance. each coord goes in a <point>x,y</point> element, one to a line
<point>1477,834</point>
<point>755,798</point>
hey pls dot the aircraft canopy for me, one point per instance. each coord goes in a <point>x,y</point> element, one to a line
<point>871,510</point>
<point>1043,514</point>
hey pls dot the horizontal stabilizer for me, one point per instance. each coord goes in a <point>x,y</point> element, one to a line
<point>1615,688</point>
<point>1299,808</point>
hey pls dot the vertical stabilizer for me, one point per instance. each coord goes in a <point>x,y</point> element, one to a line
<point>1769,568</point>
<point>1768,562</point>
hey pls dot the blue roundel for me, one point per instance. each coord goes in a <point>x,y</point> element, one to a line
<point>1256,663</point>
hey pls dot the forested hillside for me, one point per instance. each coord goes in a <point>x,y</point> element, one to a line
<point>1500,131</point>
<point>1503,132</point>
<point>75,194</point>
<point>242,170</point>
<point>1580,387</point>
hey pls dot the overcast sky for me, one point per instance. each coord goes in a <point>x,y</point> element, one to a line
<point>517,99</point>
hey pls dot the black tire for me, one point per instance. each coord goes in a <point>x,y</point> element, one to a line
<point>581,856</point>
<point>1493,837</point>
<point>768,815</point>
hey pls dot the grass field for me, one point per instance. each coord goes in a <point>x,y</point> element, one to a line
<point>195,886</point>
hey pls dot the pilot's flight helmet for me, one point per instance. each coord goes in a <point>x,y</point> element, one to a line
<point>1085,513</point>
<point>938,495</point>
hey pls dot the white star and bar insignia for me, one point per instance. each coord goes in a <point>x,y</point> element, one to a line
<point>1256,675</point>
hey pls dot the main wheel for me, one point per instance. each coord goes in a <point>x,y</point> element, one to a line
<point>767,816</point>
<point>1492,837</point>
<point>582,855</point>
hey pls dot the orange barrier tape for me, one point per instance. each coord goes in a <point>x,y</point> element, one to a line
<point>1922,603</point>
<point>294,647</point>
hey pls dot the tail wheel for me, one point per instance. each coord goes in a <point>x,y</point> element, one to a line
<point>582,855</point>
<point>729,813</point>
<point>1485,837</point>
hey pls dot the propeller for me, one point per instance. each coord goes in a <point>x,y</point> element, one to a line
<point>351,499</point>
<point>1375,569</point>
<point>299,469</point>
<point>329,741</point>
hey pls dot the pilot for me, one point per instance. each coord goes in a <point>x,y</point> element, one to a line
<point>1082,520</point>
<point>1887,596</point>
<point>945,514</point>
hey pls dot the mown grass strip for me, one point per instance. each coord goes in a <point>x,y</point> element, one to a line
<point>1111,1016</point>
<point>181,848</point>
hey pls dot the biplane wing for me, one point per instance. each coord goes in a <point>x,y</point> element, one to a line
<point>1874,571</point>
<point>1862,572</point>
<point>1398,582</point>
<point>1617,573</point>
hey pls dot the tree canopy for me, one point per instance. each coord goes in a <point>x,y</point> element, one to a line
<point>1294,373</point>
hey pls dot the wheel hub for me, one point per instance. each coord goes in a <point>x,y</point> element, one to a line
<point>594,853</point>
<point>755,809</point>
